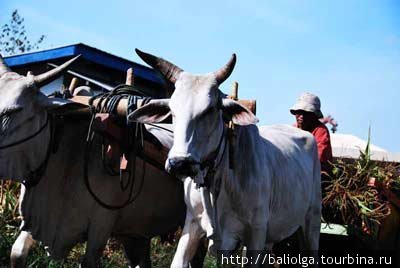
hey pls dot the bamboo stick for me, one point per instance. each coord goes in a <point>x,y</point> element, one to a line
<point>72,85</point>
<point>130,78</point>
<point>234,92</point>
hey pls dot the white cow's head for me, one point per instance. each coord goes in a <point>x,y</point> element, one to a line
<point>198,110</point>
<point>22,113</point>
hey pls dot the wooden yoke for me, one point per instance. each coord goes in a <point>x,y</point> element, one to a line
<point>123,104</point>
<point>158,155</point>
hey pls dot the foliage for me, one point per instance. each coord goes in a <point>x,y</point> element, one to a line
<point>9,220</point>
<point>13,37</point>
<point>354,193</point>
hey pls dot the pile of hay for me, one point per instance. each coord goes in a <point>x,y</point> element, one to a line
<point>355,194</point>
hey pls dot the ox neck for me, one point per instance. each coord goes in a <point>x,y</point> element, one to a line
<point>245,156</point>
<point>214,160</point>
<point>29,177</point>
<point>28,138</point>
<point>215,175</point>
<point>33,177</point>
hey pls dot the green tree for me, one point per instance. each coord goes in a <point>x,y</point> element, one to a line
<point>13,37</point>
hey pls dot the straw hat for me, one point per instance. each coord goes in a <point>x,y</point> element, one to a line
<point>308,102</point>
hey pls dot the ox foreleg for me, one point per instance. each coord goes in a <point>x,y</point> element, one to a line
<point>256,248</point>
<point>20,249</point>
<point>312,224</point>
<point>199,257</point>
<point>99,232</point>
<point>188,243</point>
<point>312,233</point>
<point>137,251</point>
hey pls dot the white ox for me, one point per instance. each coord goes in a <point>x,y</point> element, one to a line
<point>59,210</point>
<point>274,188</point>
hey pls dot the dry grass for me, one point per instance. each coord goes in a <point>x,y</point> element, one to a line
<point>354,193</point>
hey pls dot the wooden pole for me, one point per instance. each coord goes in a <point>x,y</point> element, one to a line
<point>231,128</point>
<point>130,78</point>
<point>72,85</point>
<point>234,92</point>
<point>122,105</point>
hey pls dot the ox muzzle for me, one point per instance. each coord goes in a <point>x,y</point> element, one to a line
<point>182,167</point>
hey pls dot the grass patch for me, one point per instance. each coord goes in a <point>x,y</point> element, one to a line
<point>113,257</point>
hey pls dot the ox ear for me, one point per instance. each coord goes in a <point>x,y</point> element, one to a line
<point>239,114</point>
<point>153,112</point>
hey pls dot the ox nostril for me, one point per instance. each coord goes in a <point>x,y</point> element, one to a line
<point>172,163</point>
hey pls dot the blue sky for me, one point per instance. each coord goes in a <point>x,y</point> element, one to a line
<point>347,52</point>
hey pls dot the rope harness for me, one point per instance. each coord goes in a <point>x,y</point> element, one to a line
<point>129,141</point>
<point>212,163</point>
<point>29,137</point>
<point>32,178</point>
<point>213,182</point>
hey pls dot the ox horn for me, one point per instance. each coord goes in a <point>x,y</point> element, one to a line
<point>222,74</point>
<point>47,76</point>
<point>3,66</point>
<point>168,69</point>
